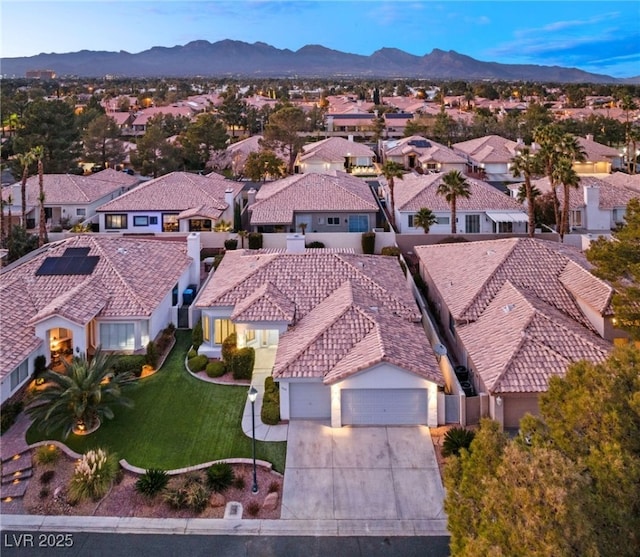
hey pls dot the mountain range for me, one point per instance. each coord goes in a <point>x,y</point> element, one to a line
<point>241,59</point>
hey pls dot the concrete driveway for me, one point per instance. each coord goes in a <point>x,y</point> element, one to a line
<point>385,473</point>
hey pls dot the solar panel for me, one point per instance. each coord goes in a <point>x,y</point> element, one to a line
<point>47,267</point>
<point>68,265</point>
<point>76,252</point>
<point>423,143</point>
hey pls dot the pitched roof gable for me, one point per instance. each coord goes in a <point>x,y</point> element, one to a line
<point>267,303</point>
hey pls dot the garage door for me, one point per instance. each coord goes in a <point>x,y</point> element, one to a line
<point>384,407</point>
<point>310,401</point>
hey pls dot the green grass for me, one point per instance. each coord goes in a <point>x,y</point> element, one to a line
<point>177,421</point>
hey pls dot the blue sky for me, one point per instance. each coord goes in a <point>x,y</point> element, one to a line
<point>596,36</point>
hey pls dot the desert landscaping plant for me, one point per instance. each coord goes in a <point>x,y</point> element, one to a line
<point>80,397</point>
<point>455,439</point>
<point>93,475</point>
<point>46,454</point>
<point>219,476</point>
<point>190,493</point>
<point>152,482</point>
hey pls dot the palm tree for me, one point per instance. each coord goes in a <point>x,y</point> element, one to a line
<point>80,397</point>
<point>424,219</point>
<point>525,165</point>
<point>9,203</point>
<point>25,160</point>
<point>38,152</point>
<point>565,174</point>
<point>452,187</point>
<point>392,170</point>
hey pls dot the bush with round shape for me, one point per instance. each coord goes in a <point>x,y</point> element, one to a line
<point>215,369</point>
<point>315,245</point>
<point>191,354</point>
<point>230,244</point>
<point>198,363</point>
<point>220,476</point>
<point>152,482</point>
<point>455,439</point>
<point>242,363</point>
<point>229,348</point>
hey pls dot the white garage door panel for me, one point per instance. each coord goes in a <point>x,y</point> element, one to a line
<point>310,401</point>
<point>384,406</point>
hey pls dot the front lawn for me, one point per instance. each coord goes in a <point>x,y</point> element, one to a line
<point>176,421</point>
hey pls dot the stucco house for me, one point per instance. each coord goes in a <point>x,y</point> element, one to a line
<point>600,159</point>
<point>516,312</point>
<point>347,333</point>
<point>595,205</point>
<point>336,202</point>
<point>71,296</point>
<point>486,211</point>
<point>425,155</point>
<point>489,157</point>
<point>336,154</point>
<point>69,198</point>
<point>175,202</point>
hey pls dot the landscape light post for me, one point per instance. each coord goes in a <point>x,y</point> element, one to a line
<point>253,394</point>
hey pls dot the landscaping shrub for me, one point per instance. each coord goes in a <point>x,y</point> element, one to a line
<point>47,454</point>
<point>44,493</point>
<point>151,357</point>
<point>190,494</point>
<point>9,413</point>
<point>239,483</point>
<point>229,348</point>
<point>215,369</point>
<point>47,476</point>
<point>230,244</point>
<point>196,335</point>
<point>368,242</point>
<point>390,250</point>
<point>220,476</point>
<point>253,508</point>
<point>39,365</point>
<point>270,411</point>
<point>242,362</point>
<point>452,240</point>
<point>313,245</point>
<point>152,482</point>
<point>129,364</point>
<point>198,363</point>
<point>191,354</point>
<point>273,487</point>
<point>93,475</point>
<point>255,240</point>
<point>455,439</point>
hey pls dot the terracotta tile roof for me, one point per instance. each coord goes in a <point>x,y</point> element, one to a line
<point>611,196</point>
<point>130,279</point>
<point>595,151</point>
<point>177,191</point>
<point>74,190</point>
<point>587,287</point>
<point>334,149</point>
<point>488,149</point>
<point>621,179</point>
<point>415,191</point>
<point>277,201</point>
<point>267,303</point>
<point>143,117</point>
<point>537,266</point>
<point>520,341</point>
<point>433,152</point>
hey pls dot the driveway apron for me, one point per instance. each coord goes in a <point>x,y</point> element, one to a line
<point>361,473</point>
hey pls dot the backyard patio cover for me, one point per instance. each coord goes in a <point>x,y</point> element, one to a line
<point>508,217</point>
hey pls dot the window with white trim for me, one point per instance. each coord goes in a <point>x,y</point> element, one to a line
<point>115,222</point>
<point>19,374</point>
<point>81,212</point>
<point>117,336</point>
<point>222,329</point>
<point>333,221</point>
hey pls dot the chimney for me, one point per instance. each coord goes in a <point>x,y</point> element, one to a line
<point>251,197</point>
<point>193,251</point>
<point>228,197</point>
<point>295,243</point>
<point>350,137</point>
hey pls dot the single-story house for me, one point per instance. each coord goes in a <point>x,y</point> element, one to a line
<point>595,205</point>
<point>623,180</point>
<point>486,211</point>
<point>422,154</point>
<point>336,154</point>
<point>336,202</point>
<point>489,157</point>
<point>69,198</point>
<point>347,334</point>
<point>600,159</point>
<point>516,312</point>
<point>71,296</point>
<point>175,202</point>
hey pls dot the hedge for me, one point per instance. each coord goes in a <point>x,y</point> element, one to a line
<point>198,363</point>
<point>255,240</point>
<point>270,412</point>
<point>229,348</point>
<point>131,364</point>
<point>368,242</point>
<point>242,363</point>
<point>230,244</point>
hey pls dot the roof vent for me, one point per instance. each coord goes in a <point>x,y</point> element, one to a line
<point>490,252</point>
<point>508,308</point>
<point>374,308</point>
<point>122,251</point>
